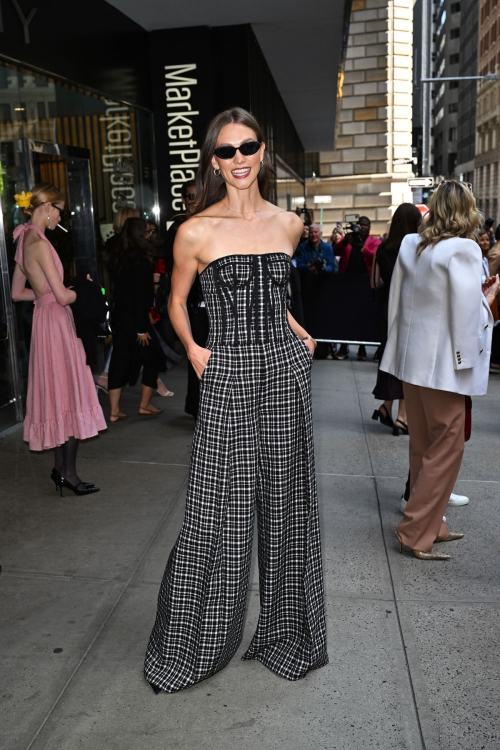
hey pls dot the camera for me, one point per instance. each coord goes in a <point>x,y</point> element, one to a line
<point>318,263</point>
<point>354,236</point>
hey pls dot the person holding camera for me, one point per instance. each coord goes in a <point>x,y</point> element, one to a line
<point>316,256</point>
<point>367,245</point>
<point>357,251</point>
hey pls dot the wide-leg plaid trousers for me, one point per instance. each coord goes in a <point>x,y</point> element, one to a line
<point>252,448</point>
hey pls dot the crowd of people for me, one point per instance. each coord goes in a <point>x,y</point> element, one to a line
<point>225,283</point>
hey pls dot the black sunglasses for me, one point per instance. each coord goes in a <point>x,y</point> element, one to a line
<point>229,152</point>
<point>191,196</point>
<point>61,210</point>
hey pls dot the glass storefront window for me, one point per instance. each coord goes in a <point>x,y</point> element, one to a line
<point>99,152</point>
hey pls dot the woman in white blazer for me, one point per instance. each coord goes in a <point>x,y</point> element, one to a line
<point>439,345</point>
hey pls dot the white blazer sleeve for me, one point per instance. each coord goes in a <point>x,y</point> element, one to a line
<point>464,273</point>
<point>395,294</point>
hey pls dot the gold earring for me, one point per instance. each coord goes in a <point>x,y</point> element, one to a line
<point>217,172</point>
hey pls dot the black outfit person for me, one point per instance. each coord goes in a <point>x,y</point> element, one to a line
<point>387,387</point>
<point>252,449</point>
<point>133,297</point>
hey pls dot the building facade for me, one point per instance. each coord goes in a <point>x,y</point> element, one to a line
<point>446,40</point>
<point>467,90</point>
<point>487,160</point>
<point>368,170</point>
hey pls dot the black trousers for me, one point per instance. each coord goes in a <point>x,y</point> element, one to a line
<point>127,359</point>
<point>495,346</point>
<point>252,452</point>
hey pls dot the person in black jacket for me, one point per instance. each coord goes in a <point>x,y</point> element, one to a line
<point>121,216</point>
<point>131,266</point>
<point>406,220</point>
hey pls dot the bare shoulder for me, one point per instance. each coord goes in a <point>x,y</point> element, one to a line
<point>291,223</point>
<point>190,232</point>
<point>35,246</point>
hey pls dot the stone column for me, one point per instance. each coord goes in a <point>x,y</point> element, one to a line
<point>374,118</point>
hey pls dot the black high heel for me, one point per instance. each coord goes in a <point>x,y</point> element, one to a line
<point>384,418</point>
<point>400,430</point>
<point>62,482</point>
<point>55,474</point>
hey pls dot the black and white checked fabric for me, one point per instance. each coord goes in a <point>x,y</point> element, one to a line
<point>252,448</point>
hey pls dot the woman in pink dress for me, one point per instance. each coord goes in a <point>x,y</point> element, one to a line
<point>62,405</point>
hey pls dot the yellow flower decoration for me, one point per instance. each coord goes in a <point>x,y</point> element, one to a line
<point>23,199</point>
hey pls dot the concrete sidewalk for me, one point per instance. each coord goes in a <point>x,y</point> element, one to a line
<point>414,646</point>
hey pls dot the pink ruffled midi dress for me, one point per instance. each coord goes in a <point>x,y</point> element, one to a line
<point>62,399</point>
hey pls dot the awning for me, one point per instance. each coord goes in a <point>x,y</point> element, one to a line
<point>301,41</point>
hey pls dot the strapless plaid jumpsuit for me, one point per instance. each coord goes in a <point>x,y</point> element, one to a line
<point>252,448</point>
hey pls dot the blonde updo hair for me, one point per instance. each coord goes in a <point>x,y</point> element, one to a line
<point>452,213</point>
<point>121,216</point>
<point>44,192</point>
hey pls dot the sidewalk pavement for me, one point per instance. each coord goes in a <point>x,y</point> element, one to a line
<point>414,645</point>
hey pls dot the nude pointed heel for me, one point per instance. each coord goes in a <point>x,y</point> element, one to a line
<point>450,538</point>
<point>432,555</point>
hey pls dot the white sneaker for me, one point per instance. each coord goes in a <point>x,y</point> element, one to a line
<point>458,499</point>
<point>402,506</point>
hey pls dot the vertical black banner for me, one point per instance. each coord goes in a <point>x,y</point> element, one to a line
<point>181,84</point>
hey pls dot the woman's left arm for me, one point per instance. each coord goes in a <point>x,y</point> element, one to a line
<point>464,281</point>
<point>301,332</point>
<point>18,289</point>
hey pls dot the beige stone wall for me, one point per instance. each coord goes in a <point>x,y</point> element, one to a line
<point>487,162</point>
<point>374,120</point>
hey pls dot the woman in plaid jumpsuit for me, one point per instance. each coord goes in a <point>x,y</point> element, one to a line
<point>252,449</point>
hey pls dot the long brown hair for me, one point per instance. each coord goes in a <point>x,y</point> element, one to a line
<point>132,245</point>
<point>452,213</point>
<point>406,220</point>
<point>212,188</point>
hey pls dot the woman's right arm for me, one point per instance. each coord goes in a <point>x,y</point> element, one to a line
<point>19,292</point>
<point>183,275</point>
<point>42,254</point>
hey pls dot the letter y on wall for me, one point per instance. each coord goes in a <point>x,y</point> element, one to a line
<point>25,21</point>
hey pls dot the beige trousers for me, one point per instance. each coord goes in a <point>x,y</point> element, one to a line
<point>436,421</point>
